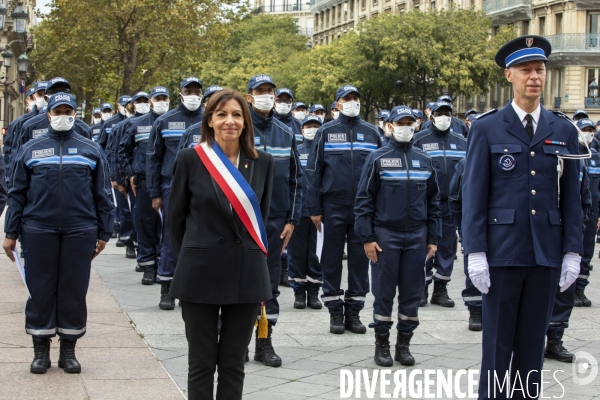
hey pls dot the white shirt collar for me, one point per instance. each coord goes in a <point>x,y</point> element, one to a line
<point>521,113</point>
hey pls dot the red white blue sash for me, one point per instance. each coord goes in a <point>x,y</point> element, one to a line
<point>236,189</point>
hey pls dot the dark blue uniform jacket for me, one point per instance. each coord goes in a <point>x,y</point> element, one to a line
<point>292,123</point>
<point>191,136</point>
<point>133,146</point>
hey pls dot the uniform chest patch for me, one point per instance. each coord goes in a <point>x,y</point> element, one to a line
<point>256,140</point>
<point>38,132</point>
<point>431,146</point>
<point>452,146</point>
<point>144,129</point>
<point>391,162</point>
<point>507,162</point>
<point>176,125</point>
<point>416,164</point>
<point>72,151</point>
<point>304,156</point>
<point>42,153</point>
<point>196,138</point>
<point>95,131</point>
<point>593,163</point>
<point>360,137</point>
<point>336,137</point>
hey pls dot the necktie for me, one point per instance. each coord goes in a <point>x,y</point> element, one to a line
<point>529,126</point>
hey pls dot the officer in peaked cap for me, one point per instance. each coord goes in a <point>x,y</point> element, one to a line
<point>522,235</point>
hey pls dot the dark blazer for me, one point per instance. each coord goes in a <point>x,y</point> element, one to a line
<point>219,262</point>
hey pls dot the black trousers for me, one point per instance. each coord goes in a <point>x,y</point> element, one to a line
<point>209,351</point>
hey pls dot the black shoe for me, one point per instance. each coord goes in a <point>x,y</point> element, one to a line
<point>475,320</point>
<point>130,252</point>
<point>264,351</point>
<point>166,301</point>
<point>354,325</point>
<point>300,302</point>
<point>115,233</point>
<point>383,358</point>
<point>313,299</point>
<point>336,323</point>
<point>149,276</point>
<point>423,302</point>
<point>556,351</point>
<point>284,279</point>
<point>67,358</point>
<point>139,269</point>
<point>578,302</point>
<point>41,356</point>
<point>120,243</point>
<point>402,352</point>
<point>579,294</point>
<point>440,294</point>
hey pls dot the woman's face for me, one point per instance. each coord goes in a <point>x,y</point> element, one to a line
<point>228,121</point>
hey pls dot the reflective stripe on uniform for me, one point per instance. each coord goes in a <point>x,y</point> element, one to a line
<point>473,298</point>
<point>583,277</point>
<point>313,280</point>
<point>299,279</point>
<point>382,318</point>
<point>51,331</point>
<point>71,331</point>
<point>164,278</point>
<point>405,318</point>
<point>143,264</point>
<point>357,298</point>
<point>445,278</point>
<point>331,298</point>
<point>271,316</point>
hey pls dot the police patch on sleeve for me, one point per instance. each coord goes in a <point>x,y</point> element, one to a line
<point>42,153</point>
<point>391,162</point>
<point>336,137</point>
<point>507,162</point>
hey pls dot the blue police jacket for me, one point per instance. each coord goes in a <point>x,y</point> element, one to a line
<point>292,123</point>
<point>163,145</point>
<point>336,159</point>
<point>457,126</point>
<point>112,147</point>
<point>106,129</point>
<point>593,169</point>
<point>272,136</point>
<point>95,129</point>
<point>455,190</point>
<point>191,136</point>
<point>511,209</point>
<point>39,125</point>
<point>446,149</point>
<point>303,152</point>
<point>586,195</point>
<point>398,190</point>
<point>133,146</point>
<point>60,182</point>
<point>14,128</point>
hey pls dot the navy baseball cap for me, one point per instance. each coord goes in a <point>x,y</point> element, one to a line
<point>469,112</point>
<point>61,98</point>
<point>96,111</point>
<point>333,107</point>
<point>598,123</point>
<point>585,123</point>
<point>57,81</point>
<point>258,80</point>
<point>345,91</point>
<point>417,113</point>
<point>445,97</point>
<point>441,104</point>
<point>281,91</point>
<point>523,49</point>
<point>383,114</point>
<point>311,118</point>
<point>298,104</point>
<point>581,112</point>
<point>106,106</point>
<point>139,95</point>
<point>41,85</point>
<point>400,112</point>
<point>30,92</point>
<point>472,117</point>
<point>123,100</point>
<point>316,107</point>
<point>191,79</point>
<point>430,104</point>
<point>159,91</point>
<point>211,90</point>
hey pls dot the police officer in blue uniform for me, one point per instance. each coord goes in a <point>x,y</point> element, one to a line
<point>191,136</point>
<point>60,206</point>
<point>381,120</point>
<point>446,148</point>
<point>334,111</point>
<point>419,117</point>
<point>317,110</point>
<point>284,98</point>
<point>522,235</point>
<point>299,111</point>
<point>306,275</point>
<point>274,137</point>
<point>333,170</point>
<point>15,126</point>
<point>456,126</point>
<point>162,148</point>
<point>398,218</point>
<point>96,123</point>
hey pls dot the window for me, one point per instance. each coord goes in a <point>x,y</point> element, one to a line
<point>558,24</point>
<point>592,74</point>
<point>433,5</point>
<point>363,4</point>
<point>525,28</point>
<point>374,3</point>
<point>542,29</point>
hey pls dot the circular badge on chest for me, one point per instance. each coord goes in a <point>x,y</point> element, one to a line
<point>507,162</point>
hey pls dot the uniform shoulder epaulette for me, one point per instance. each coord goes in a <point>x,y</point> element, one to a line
<point>493,110</point>
<point>563,115</point>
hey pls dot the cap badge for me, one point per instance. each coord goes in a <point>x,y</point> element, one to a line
<point>528,41</point>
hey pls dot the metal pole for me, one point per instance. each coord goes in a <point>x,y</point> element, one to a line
<point>5,106</point>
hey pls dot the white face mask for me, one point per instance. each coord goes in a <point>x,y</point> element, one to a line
<point>263,102</point>
<point>335,114</point>
<point>191,102</point>
<point>404,134</point>
<point>62,122</point>
<point>142,108</point>
<point>96,120</point>
<point>283,109</point>
<point>40,102</point>
<point>442,122</point>
<point>320,118</point>
<point>350,108</point>
<point>587,137</point>
<point>123,111</point>
<point>309,133</point>
<point>388,129</point>
<point>300,115</point>
<point>160,107</point>
<point>105,116</point>
<point>381,124</point>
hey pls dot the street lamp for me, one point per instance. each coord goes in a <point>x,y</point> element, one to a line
<point>20,17</point>
<point>399,85</point>
<point>7,55</point>
<point>308,45</point>
<point>23,64</point>
<point>593,91</point>
<point>2,15</point>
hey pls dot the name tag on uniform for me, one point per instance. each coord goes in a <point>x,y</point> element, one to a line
<point>42,153</point>
<point>304,156</point>
<point>336,137</point>
<point>452,146</point>
<point>72,151</point>
<point>256,140</point>
<point>177,125</point>
<point>36,133</point>
<point>416,164</point>
<point>144,129</point>
<point>360,136</point>
<point>431,146</point>
<point>391,162</point>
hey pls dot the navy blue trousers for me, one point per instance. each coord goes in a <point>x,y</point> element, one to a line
<point>516,315</point>
<point>126,231</point>
<point>470,294</point>
<point>443,262</point>
<point>589,242</point>
<point>339,227</point>
<point>148,228</point>
<point>168,258</point>
<point>58,274</point>
<point>304,267</point>
<point>561,312</point>
<point>400,264</point>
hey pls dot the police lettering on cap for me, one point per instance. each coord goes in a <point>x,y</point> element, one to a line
<point>107,106</point>
<point>57,81</point>
<point>281,91</point>
<point>30,92</point>
<point>191,79</point>
<point>211,90</point>
<point>471,111</point>
<point>345,91</point>
<point>400,112</point>
<point>123,100</point>
<point>441,104</point>
<point>383,114</point>
<point>581,113</point>
<point>41,85</point>
<point>159,91</point>
<point>585,123</point>
<point>258,80</point>
<point>523,49</point>
<point>311,118</point>
<point>298,104</point>
<point>316,107</point>
<point>417,113</point>
<point>140,95</point>
<point>59,99</point>
<point>96,111</point>
<point>445,97</point>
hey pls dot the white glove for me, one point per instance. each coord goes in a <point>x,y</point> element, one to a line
<point>570,270</point>
<point>479,271</point>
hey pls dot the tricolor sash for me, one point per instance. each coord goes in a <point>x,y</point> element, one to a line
<point>239,193</point>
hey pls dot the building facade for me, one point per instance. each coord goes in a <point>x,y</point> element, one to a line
<point>298,9</point>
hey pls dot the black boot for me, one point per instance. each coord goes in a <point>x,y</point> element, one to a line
<point>578,302</point>
<point>354,325</point>
<point>115,232</point>
<point>130,252</point>
<point>475,320</point>
<point>120,243</point>
<point>139,269</point>
<point>402,352</point>
<point>67,358</point>
<point>383,358</point>
<point>166,301</point>
<point>300,302</point>
<point>556,351</point>
<point>423,302</point>
<point>41,356</point>
<point>149,276</point>
<point>336,323</point>
<point>313,299</point>
<point>264,351</point>
<point>440,295</point>
<point>284,279</point>
<point>580,294</point>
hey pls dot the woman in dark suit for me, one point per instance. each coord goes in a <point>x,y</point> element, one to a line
<point>220,267</point>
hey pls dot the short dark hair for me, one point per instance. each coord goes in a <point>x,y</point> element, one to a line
<point>215,103</point>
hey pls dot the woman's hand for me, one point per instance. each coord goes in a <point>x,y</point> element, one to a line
<point>9,246</point>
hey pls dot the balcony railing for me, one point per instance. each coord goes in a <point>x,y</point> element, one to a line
<point>507,11</point>
<point>589,103</point>
<point>305,31</point>
<point>279,8</point>
<point>495,6</point>
<point>575,42</point>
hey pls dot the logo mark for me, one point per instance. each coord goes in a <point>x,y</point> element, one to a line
<point>507,162</point>
<point>528,41</point>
